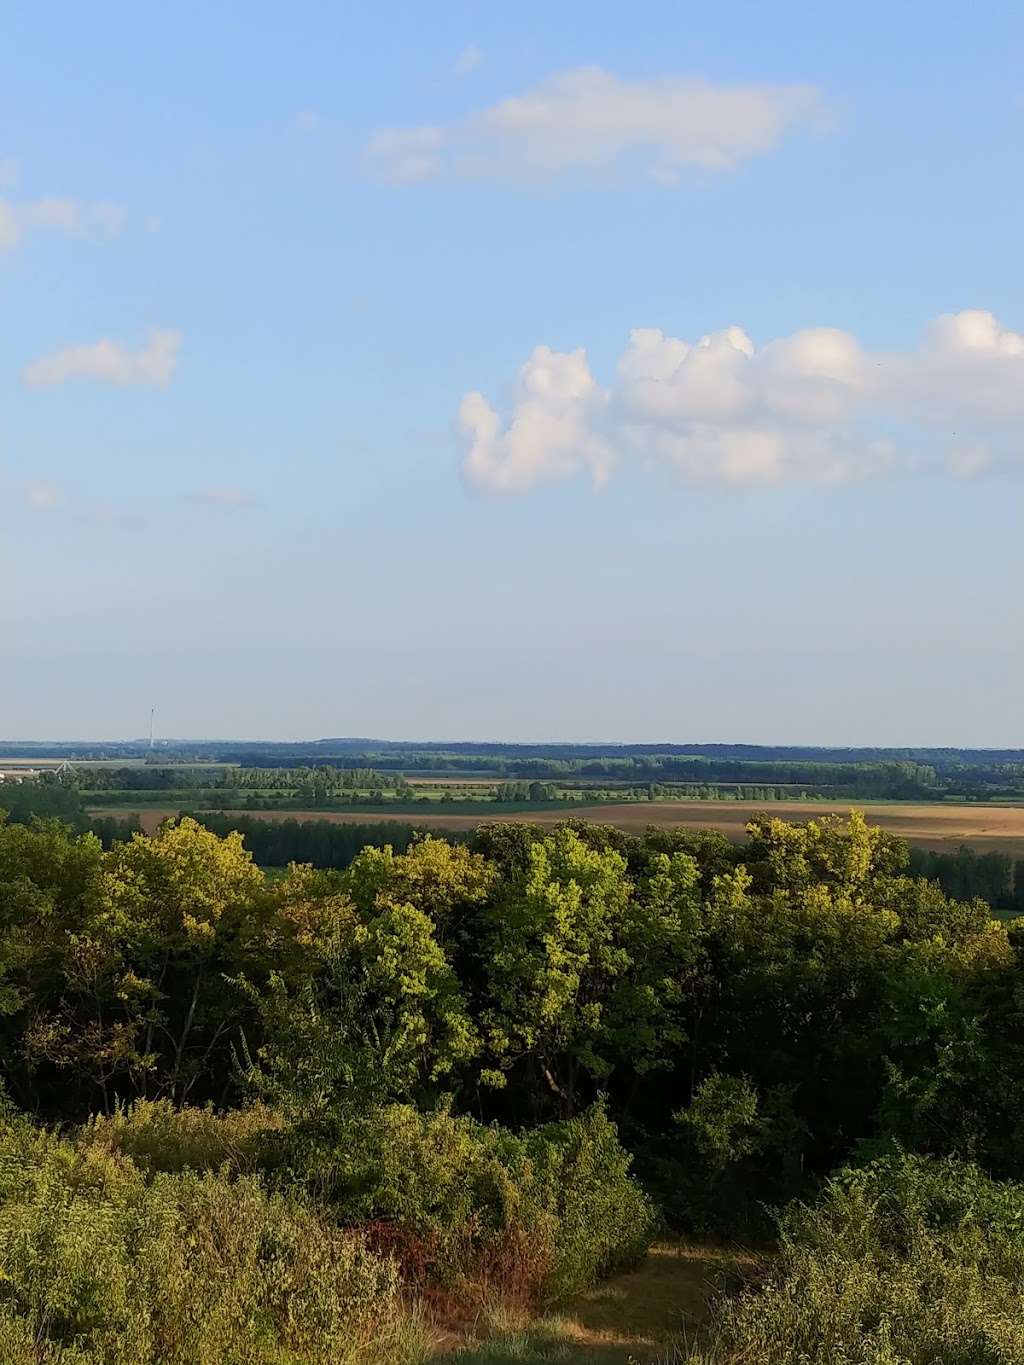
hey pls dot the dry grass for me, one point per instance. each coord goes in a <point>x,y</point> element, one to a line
<point>632,1319</point>
<point>932,826</point>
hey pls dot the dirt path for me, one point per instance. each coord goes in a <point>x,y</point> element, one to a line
<point>632,1319</point>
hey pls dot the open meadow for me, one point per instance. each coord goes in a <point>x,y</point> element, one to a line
<point>932,826</point>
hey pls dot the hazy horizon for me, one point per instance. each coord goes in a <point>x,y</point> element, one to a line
<point>434,741</point>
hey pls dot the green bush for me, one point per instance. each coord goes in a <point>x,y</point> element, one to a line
<point>101,1267</point>
<point>581,1177</point>
<point>908,1261</point>
<point>158,1137</point>
<point>735,1151</point>
<point>426,1170</point>
<point>544,1214</point>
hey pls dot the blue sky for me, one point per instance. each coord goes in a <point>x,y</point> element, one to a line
<point>279,453</point>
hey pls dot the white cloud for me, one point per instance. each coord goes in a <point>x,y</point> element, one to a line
<point>73,217</point>
<point>814,407</point>
<point>468,60</point>
<point>969,368</point>
<point>404,156</point>
<point>554,431</point>
<point>109,362</point>
<point>589,122</point>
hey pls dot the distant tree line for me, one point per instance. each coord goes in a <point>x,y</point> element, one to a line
<point>325,778</point>
<point>361,752</point>
<point>897,780</point>
<point>965,874</point>
<point>897,774</point>
<point>322,843</point>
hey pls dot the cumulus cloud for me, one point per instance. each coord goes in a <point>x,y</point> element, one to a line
<point>109,362</point>
<point>814,407</point>
<point>554,430</point>
<point>73,217</point>
<point>589,122</point>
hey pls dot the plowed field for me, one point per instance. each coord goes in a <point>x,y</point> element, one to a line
<point>985,828</point>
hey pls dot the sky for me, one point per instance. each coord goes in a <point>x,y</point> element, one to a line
<point>534,372</point>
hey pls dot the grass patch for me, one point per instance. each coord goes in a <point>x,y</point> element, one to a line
<point>645,1316</point>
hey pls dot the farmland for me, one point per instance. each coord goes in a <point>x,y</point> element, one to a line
<point>934,826</point>
<point>936,799</point>
<point>961,812</point>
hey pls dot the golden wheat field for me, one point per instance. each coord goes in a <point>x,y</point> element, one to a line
<point>932,826</point>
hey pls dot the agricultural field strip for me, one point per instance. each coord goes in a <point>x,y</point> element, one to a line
<point>932,826</point>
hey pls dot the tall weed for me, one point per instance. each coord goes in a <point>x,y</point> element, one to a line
<point>101,1266</point>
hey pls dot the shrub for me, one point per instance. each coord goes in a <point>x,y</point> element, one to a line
<point>722,1121</point>
<point>449,1197</point>
<point>734,1150</point>
<point>159,1137</point>
<point>540,1215</point>
<point>909,1261</point>
<point>604,1221</point>
<point>98,1266</point>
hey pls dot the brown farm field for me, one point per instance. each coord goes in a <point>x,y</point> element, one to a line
<point>936,827</point>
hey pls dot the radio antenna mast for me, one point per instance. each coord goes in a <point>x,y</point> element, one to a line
<point>152,713</point>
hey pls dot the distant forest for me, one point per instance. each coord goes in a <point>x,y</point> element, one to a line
<point>353,752</point>
<point>864,773</point>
